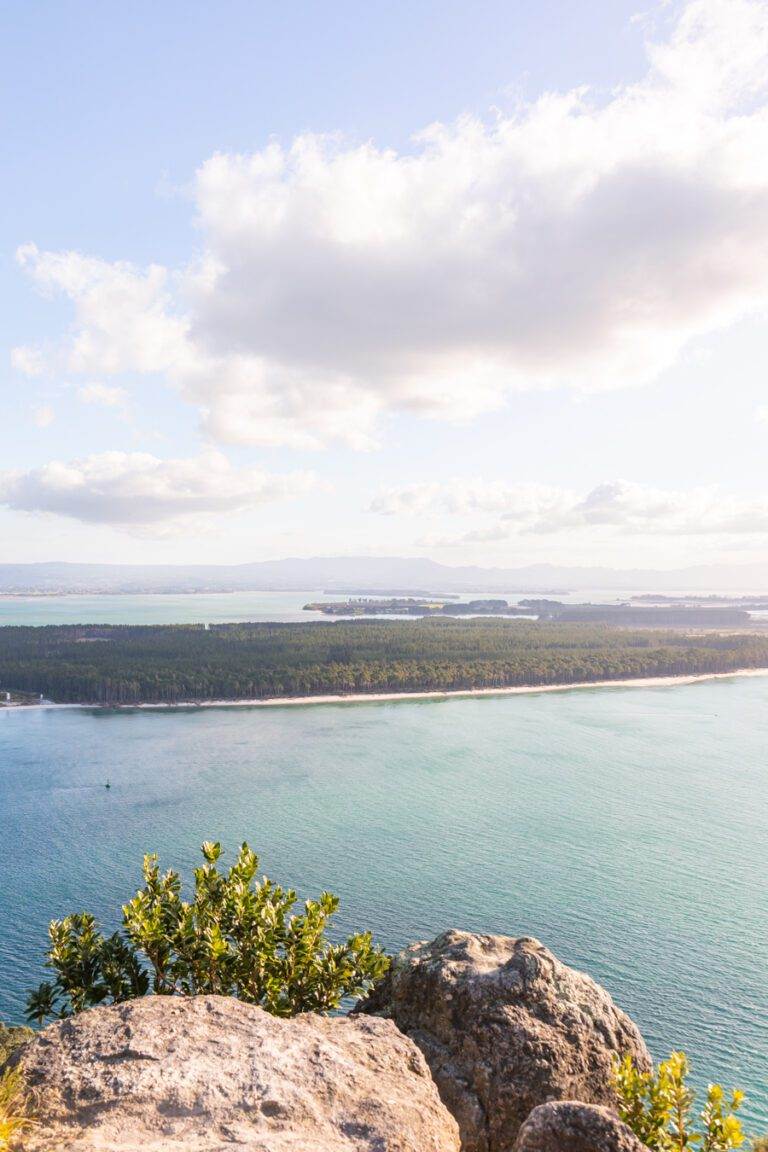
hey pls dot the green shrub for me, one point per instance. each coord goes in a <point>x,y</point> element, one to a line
<point>13,1107</point>
<point>12,1038</point>
<point>658,1108</point>
<point>238,936</point>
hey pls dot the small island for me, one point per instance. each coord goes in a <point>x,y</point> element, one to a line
<point>413,606</point>
<point>672,614</point>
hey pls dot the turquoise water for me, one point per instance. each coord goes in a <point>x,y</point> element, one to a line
<point>218,607</point>
<point>168,608</point>
<point>193,607</point>
<point>626,828</point>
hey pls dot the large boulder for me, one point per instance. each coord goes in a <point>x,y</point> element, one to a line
<point>208,1073</point>
<point>572,1127</point>
<point>504,1027</point>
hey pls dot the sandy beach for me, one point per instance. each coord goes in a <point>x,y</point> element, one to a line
<point>520,690</point>
<point>390,697</point>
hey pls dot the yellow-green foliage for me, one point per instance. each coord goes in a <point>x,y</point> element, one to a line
<point>658,1107</point>
<point>238,936</point>
<point>11,1038</point>
<point>13,1117</point>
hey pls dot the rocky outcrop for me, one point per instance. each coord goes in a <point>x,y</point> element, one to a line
<point>210,1073</point>
<point>572,1127</point>
<point>505,1027</point>
<point>520,1047</point>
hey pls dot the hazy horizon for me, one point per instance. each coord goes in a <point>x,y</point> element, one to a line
<point>368,573</point>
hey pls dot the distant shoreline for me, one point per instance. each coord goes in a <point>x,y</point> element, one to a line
<point>392,697</point>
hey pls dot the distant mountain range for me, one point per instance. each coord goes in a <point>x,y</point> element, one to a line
<point>368,573</point>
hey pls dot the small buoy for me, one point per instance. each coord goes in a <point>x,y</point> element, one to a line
<point>107,785</point>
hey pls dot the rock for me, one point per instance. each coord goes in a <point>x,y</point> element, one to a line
<point>504,1027</point>
<point>569,1126</point>
<point>208,1073</point>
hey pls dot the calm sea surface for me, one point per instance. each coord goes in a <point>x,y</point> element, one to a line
<point>207,607</point>
<point>184,608</point>
<point>626,828</point>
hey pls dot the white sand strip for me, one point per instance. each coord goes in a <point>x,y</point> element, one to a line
<point>388,697</point>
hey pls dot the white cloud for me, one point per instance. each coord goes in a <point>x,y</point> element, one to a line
<point>464,497</point>
<point>27,361</point>
<point>577,241</point>
<point>43,415</point>
<point>104,396</point>
<point>615,507</point>
<point>124,319</point>
<point>136,490</point>
<point>637,508</point>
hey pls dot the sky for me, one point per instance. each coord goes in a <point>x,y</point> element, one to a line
<point>486,283</point>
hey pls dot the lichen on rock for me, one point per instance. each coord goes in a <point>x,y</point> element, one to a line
<point>201,1074</point>
<point>505,1026</point>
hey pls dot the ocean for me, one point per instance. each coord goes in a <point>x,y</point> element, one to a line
<point>219,607</point>
<point>626,828</point>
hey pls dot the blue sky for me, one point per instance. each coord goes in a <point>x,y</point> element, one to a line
<point>250,310</point>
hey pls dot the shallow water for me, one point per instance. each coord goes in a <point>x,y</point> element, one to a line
<point>627,828</point>
<point>170,608</point>
<point>198,607</point>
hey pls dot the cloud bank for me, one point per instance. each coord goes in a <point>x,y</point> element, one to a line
<point>617,507</point>
<point>135,490</point>
<point>576,241</point>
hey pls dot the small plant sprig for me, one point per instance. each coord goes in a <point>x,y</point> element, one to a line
<point>14,1118</point>
<point>658,1107</point>
<point>238,936</point>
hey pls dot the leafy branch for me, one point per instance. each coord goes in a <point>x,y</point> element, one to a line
<point>237,936</point>
<point>658,1107</point>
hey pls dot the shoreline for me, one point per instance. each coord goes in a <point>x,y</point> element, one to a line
<point>393,697</point>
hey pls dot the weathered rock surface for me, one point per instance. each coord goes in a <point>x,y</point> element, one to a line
<point>210,1073</point>
<point>505,1027</point>
<point>572,1127</point>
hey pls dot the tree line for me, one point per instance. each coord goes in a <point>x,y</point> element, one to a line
<point>128,664</point>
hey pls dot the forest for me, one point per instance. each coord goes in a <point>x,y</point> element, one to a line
<point>170,664</point>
